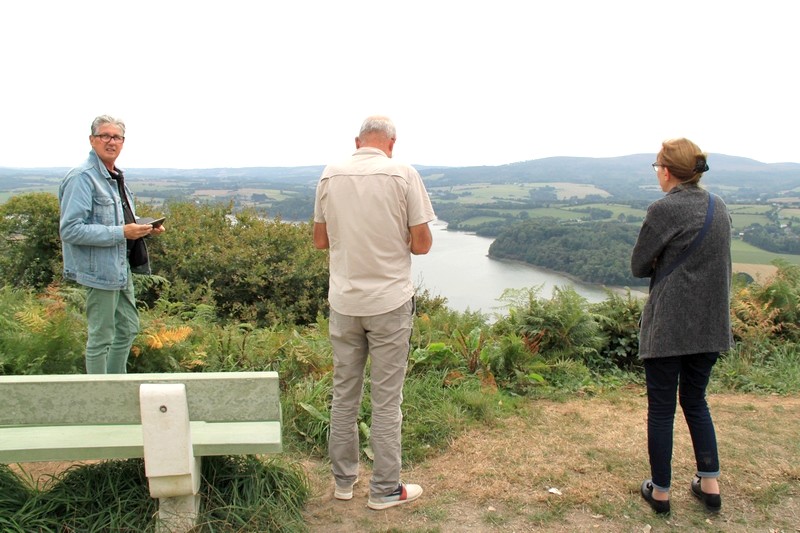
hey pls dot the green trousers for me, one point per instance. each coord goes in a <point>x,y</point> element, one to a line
<point>113,326</point>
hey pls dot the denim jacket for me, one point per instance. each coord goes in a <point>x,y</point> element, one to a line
<point>91,227</point>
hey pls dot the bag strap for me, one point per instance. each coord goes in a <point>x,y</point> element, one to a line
<point>689,249</point>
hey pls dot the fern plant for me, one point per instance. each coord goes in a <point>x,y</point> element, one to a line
<point>42,334</point>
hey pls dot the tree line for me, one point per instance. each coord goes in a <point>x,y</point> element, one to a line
<point>776,239</point>
<point>596,252</point>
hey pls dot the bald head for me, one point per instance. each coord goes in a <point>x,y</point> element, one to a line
<point>377,132</point>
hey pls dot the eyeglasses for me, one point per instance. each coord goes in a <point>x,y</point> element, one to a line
<point>105,137</point>
<point>656,165</point>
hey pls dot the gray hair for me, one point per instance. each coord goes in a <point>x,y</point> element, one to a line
<point>378,124</point>
<point>106,119</point>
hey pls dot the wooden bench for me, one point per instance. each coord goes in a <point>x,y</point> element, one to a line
<point>171,420</point>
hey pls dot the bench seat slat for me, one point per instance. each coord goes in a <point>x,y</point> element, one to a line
<point>86,442</point>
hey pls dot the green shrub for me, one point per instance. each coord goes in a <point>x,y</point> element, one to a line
<point>30,248</point>
<point>436,356</point>
<point>561,327</point>
<point>566,375</point>
<point>515,364</point>
<point>262,271</point>
<point>441,324</point>
<point>618,317</point>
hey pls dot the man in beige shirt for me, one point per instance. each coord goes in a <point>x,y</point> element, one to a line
<point>372,213</point>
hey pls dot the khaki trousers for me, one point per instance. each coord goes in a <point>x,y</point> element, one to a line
<point>386,340</point>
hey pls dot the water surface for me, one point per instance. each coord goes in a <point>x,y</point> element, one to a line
<point>458,267</point>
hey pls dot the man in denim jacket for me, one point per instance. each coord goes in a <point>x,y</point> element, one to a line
<point>101,242</point>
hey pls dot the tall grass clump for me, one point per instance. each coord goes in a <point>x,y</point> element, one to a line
<point>436,409</point>
<point>14,497</point>
<point>107,496</point>
<point>238,493</point>
<point>306,413</point>
<point>776,370</point>
<point>244,493</point>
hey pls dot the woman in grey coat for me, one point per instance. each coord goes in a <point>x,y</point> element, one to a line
<point>684,248</point>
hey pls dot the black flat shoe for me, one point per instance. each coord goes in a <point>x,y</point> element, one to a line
<point>659,506</point>
<point>713,502</point>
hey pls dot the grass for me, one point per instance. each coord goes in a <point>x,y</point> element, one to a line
<point>487,461</point>
<point>742,252</point>
<point>592,451</point>
<point>238,494</point>
<point>741,221</point>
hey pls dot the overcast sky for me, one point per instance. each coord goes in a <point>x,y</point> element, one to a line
<point>234,83</point>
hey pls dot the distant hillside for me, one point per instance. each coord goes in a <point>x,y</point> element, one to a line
<point>628,170</point>
<point>615,174</point>
<point>268,174</point>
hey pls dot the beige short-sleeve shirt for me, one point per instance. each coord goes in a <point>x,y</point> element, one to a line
<point>368,203</point>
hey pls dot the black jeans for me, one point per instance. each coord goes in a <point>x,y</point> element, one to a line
<point>688,376</point>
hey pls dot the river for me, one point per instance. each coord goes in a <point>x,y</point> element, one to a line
<point>458,267</point>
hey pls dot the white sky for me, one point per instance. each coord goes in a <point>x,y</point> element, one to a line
<point>234,83</point>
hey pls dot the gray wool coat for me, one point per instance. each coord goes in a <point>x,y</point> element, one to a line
<point>688,311</point>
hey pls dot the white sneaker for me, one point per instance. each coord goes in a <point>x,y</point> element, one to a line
<point>344,493</point>
<point>404,493</point>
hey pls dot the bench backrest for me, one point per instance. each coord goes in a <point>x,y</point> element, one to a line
<point>86,399</point>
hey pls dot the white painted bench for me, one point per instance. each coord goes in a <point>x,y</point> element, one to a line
<point>170,420</point>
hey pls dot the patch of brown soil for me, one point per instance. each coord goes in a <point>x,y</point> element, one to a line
<point>760,273</point>
<point>39,474</point>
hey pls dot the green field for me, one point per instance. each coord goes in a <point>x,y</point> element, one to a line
<point>139,184</point>
<point>554,212</point>
<point>481,193</point>
<point>5,195</point>
<point>741,252</point>
<point>477,221</point>
<point>745,215</point>
<point>749,209</point>
<point>740,222</point>
<point>616,209</point>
